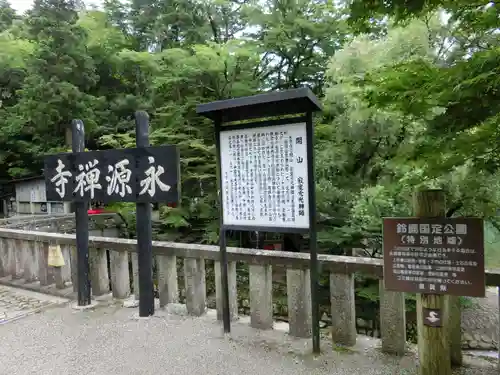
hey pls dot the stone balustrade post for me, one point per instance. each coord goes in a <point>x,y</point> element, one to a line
<point>342,298</point>
<point>67,268</point>
<point>135,275</point>
<point>99,277</point>
<point>4,258</point>
<point>392,321</point>
<point>233,293</point>
<point>15,258</point>
<point>44,274</point>
<point>261,296</point>
<point>30,262</point>
<point>298,286</point>
<point>120,274</point>
<point>73,256</point>
<point>195,284</point>
<point>168,287</point>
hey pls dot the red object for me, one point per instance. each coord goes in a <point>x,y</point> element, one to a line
<point>268,247</point>
<point>96,211</point>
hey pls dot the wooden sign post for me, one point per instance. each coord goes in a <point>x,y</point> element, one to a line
<point>435,257</point>
<point>142,175</point>
<point>433,341</point>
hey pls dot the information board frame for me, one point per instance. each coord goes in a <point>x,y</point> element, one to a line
<point>293,106</point>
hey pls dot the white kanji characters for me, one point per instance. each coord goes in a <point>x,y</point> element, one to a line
<point>410,240</point>
<point>88,179</point>
<point>448,229</point>
<point>424,240</point>
<point>438,240</point>
<point>442,288</point>
<point>451,240</point>
<point>432,287</point>
<point>61,178</point>
<point>421,286</point>
<point>401,228</point>
<point>425,228</point>
<point>437,229</point>
<point>119,179</point>
<point>412,228</point>
<point>153,179</point>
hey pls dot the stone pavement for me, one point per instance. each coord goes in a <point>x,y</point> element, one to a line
<point>111,340</point>
<point>17,303</point>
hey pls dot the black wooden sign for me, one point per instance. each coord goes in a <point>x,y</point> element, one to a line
<point>149,174</point>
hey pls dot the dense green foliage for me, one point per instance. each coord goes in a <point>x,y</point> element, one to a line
<point>409,100</point>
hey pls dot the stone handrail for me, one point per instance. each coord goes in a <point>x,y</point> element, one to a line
<point>22,221</point>
<point>23,259</point>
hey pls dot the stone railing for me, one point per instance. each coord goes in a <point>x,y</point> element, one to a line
<point>23,262</point>
<point>35,220</point>
<point>65,223</point>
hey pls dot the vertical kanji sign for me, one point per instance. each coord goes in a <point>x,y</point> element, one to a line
<point>434,256</point>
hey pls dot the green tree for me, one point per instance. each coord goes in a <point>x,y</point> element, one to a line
<point>359,178</point>
<point>7,15</point>
<point>296,39</point>
<point>459,97</point>
<point>59,72</point>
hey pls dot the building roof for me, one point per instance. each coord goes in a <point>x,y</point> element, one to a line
<point>23,179</point>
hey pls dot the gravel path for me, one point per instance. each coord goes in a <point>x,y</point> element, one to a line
<point>110,340</point>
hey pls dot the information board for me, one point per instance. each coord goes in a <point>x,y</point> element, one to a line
<point>265,176</point>
<point>434,256</point>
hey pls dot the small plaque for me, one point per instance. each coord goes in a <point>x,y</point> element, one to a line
<point>432,317</point>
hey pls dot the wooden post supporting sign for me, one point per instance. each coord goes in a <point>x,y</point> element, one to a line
<point>433,341</point>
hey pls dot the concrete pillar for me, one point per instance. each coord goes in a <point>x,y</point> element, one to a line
<point>168,287</point>
<point>99,277</point>
<point>343,309</point>
<point>135,275</point>
<point>30,262</point>
<point>392,321</point>
<point>120,274</point>
<point>298,290</point>
<point>261,296</point>
<point>233,290</point>
<point>195,284</point>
